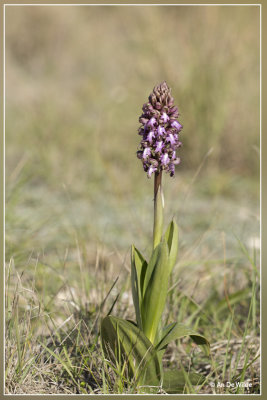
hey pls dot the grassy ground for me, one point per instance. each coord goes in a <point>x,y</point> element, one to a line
<point>77,198</point>
<point>56,296</point>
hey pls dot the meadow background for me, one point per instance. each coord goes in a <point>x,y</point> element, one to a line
<point>77,197</point>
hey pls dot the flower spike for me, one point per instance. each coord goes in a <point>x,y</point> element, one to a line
<point>159,130</point>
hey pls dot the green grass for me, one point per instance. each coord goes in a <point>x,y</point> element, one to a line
<point>53,323</point>
<point>77,198</point>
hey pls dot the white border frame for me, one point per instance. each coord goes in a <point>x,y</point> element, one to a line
<point>4,76</point>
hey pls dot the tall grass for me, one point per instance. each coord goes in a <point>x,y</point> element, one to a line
<point>52,333</point>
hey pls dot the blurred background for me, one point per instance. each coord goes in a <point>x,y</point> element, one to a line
<point>77,196</point>
<point>76,79</point>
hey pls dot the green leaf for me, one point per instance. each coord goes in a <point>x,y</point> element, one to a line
<point>150,268</point>
<point>138,272</point>
<point>155,290</point>
<point>124,342</point>
<point>135,288</point>
<point>171,237</point>
<point>141,268</point>
<point>174,381</point>
<point>177,331</point>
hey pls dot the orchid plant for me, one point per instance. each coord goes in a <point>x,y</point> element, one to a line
<point>139,347</point>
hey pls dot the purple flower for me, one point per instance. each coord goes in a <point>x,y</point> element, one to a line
<point>150,136</point>
<point>159,130</point>
<point>165,118</point>
<point>171,169</point>
<point>146,153</point>
<point>174,112</point>
<point>171,138</point>
<point>151,122</point>
<point>143,120</point>
<point>175,124</point>
<point>159,147</point>
<point>164,159</point>
<point>150,171</point>
<point>139,154</point>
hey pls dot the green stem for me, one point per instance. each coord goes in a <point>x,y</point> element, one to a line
<point>158,209</point>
